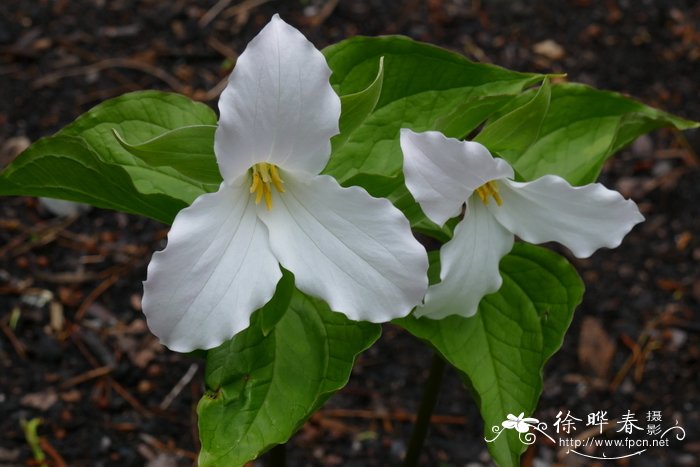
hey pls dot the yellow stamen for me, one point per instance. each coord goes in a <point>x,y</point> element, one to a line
<point>256,183</point>
<point>489,189</point>
<point>276,180</point>
<point>268,198</point>
<point>265,176</point>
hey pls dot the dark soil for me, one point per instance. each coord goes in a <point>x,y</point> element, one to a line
<point>74,348</point>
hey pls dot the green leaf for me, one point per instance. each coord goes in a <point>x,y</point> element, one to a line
<point>422,84</point>
<point>501,351</point>
<point>424,88</point>
<point>582,129</point>
<point>356,107</point>
<point>141,116</point>
<point>468,116</point>
<point>188,149</point>
<point>272,312</point>
<point>84,161</point>
<point>261,388</point>
<point>66,167</point>
<point>515,131</point>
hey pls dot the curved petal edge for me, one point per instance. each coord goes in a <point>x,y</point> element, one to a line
<point>582,218</point>
<point>441,173</point>
<point>468,265</point>
<point>354,251</point>
<point>215,271</point>
<point>278,106</point>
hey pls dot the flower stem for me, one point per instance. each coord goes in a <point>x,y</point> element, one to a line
<point>277,456</point>
<point>427,404</point>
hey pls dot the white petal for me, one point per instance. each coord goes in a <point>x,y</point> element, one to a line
<point>469,265</point>
<point>581,218</point>
<point>354,251</point>
<point>278,107</point>
<point>216,270</point>
<point>441,173</point>
<point>509,424</point>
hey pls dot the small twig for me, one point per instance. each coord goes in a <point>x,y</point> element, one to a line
<point>323,14</point>
<point>57,460</point>
<point>243,8</point>
<point>67,277</point>
<point>43,236</point>
<point>629,363</point>
<point>640,351</point>
<point>213,12</point>
<point>397,416</point>
<point>175,391</point>
<point>641,362</point>
<point>160,446</point>
<point>90,299</point>
<point>16,344</point>
<point>128,397</point>
<point>154,71</point>
<point>222,48</point>
<point>87,376</point>
<point>77,340</point>
<point>214,92</point>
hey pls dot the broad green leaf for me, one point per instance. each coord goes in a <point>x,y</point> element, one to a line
<point>582,129</point>
<point>501,351</point>
<point>515,131</point>
<point>66,167</point>
<point>424,88</point>
<point>262,388</point>
<point>85,162</point>
<point>188,149</point>
<point>422,84</point>
<point>141,116</point>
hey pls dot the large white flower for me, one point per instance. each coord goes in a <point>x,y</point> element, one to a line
<point>444,173</point>
<point>277,116</point>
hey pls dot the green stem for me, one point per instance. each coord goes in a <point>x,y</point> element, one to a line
<point>277,456</point>
<point>427,404</point>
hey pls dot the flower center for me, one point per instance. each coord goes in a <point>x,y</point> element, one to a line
<point>489,189</point>
<point>265,176</point>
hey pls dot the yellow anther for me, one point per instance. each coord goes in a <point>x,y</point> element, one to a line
<point>489,189</point>
<point>276,180</point>
<point>256,183</point>
<point>268,198</point>
<point>265,176</point>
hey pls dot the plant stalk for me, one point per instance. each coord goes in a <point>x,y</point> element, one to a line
<point>431,391</point>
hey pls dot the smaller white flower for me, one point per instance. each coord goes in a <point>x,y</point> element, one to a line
<point>443,174</point>
<point>519,423</point>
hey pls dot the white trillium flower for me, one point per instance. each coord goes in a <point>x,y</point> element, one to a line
<point>443,174</point>
<point>522,425</point>
<point>223,257</point>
